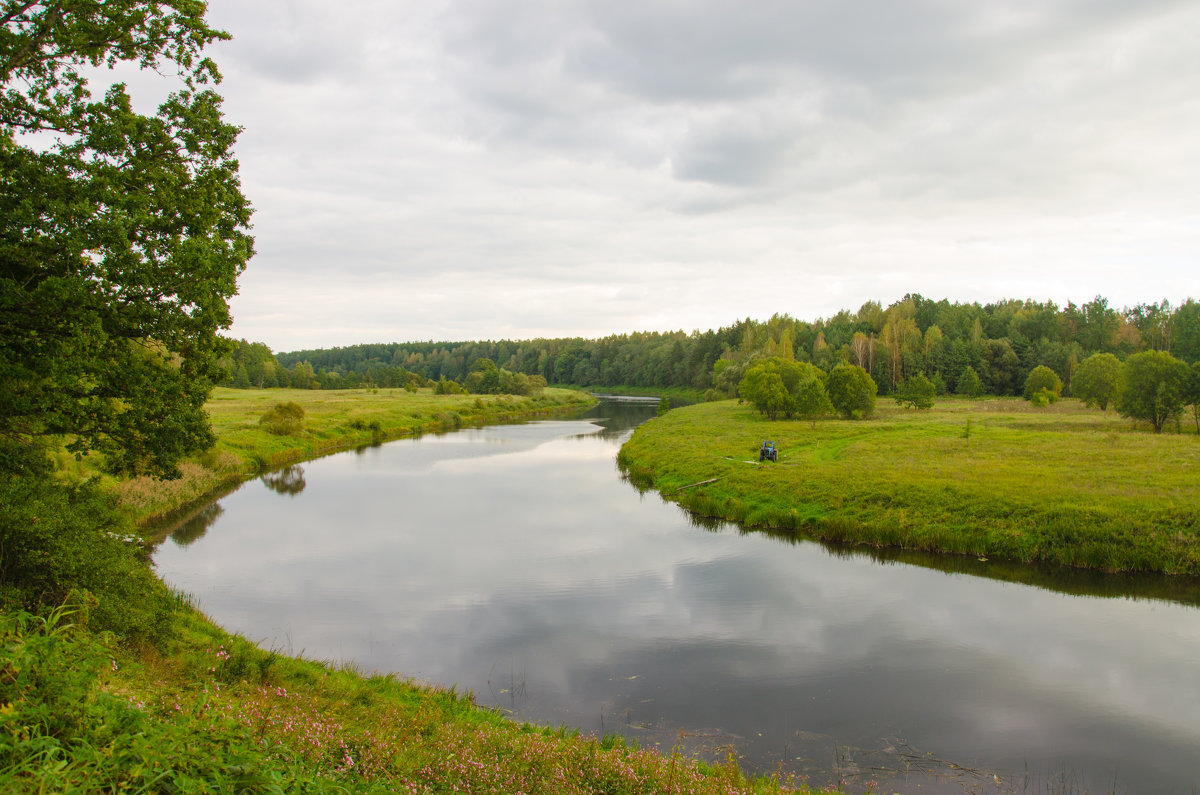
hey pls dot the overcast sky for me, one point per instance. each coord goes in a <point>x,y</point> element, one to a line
<point>486,169</point>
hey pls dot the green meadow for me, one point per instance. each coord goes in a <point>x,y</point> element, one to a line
<point>994,478</point>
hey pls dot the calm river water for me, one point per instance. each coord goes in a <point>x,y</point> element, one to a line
<point>515,562</point>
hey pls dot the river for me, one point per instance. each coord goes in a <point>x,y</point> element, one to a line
<point>514,561</point>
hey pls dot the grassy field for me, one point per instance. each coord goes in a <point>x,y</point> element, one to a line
<point>333,420</point>
<point>990,478</point>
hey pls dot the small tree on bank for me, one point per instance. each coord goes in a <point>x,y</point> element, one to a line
<point>783,386</point>
<point>812,401</point>
<point>1095,381</point>
<point>1154,387</point>
<point>918,393</point>
<point>1043,386</point>
<point>851,391</point>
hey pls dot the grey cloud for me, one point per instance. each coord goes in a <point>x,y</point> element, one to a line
<point>505,164</point>
<point>296,42</point>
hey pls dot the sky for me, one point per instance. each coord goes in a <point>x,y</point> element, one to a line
<point>488,169</point>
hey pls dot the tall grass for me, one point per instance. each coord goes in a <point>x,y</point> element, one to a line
<point>214,713</point>
<point>1063,484</point>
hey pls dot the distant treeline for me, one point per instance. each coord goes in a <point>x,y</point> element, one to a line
<point>1002,342</point>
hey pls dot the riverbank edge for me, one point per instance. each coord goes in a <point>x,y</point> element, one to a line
<point>203,667</point>
<point>647,460</point>
<point>197,488</point>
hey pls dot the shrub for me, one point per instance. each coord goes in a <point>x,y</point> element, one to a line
<point>57,540</point>
<point>1095,381</point>
<point>851,391</point>
<point>1152,387</point>
<point>61,732</point>
<point>1043,398</point>
<point>1043,383</point>
<point>283,419</point>
<point>918,393</point>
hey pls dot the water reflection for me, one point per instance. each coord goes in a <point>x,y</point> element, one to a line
<point>196,526</point>
<point>288,481</point>
<point>514,562</point>
<point>1062,579</point>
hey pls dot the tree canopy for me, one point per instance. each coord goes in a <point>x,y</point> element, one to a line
<point>121,234</point>
<point>1043,386</point>
<point>851,391</point>
<point>1095,382</point>
<point>779,385</point>
<point>1153,387</point>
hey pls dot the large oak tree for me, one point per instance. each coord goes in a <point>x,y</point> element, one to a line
<point>121,234</point>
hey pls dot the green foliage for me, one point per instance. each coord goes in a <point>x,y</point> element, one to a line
<point>918,393</point>
<point>447,387</point>
<point>484,378</point>
<point>1043,397</point>
<point>1095,380</point>
<point>783,386</point>
<point>252,365</point>
<point>1193,393</point>
<point>969,383</point>
<point>1043,386</point>
<point>56,540</point>
<point>812,401</point>
<point>1002,342</point>
<point>283,419</point>
<point>664,406</point>
<point>1152,387</point>
<point>61,732</point>
<point>121,234</point>
<point>851,391</point>
<point>765,390</point>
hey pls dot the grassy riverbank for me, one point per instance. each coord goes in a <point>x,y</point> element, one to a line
<point>992,478</point>
<point>333,420</point>
<point>179,705</point>
<point>207,712</point>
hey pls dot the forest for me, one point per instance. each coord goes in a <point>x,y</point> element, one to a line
<point>1001,342</point>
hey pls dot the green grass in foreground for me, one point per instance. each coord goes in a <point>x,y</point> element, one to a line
<point>333,420</point>
<point>214,713</point>
<point>1063,484</point>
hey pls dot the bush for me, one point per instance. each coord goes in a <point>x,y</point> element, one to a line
<point>851,391</point>
<point>283,419</point>
<point>61,732</point>
<point>1043,386</point>
<point>1153,386</point>
<point>1043,398</point>
<point>774,386</point>
<point>1095,381</point>
<point>58,540</point>
<point>918,393</point>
